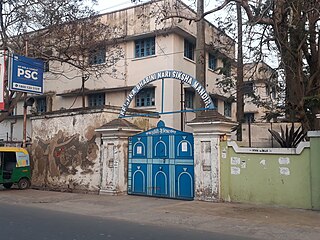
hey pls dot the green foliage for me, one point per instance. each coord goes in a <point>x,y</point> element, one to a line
<point>310,103</point>
<point>289,138</point>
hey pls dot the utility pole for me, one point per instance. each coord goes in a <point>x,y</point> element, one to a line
<point>200,53</point>
<point>240,104</point>
<point>24,132</point>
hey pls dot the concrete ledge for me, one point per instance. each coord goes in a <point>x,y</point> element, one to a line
<point>291,151</point>
<point>313,134</point>
<point>211,128</point>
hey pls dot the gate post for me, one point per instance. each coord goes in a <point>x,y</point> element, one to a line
<point>114,155</point>
<point>208,129</point>
<point>315,169</point>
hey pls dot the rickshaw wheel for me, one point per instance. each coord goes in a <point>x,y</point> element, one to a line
<point>23,183</point>
<point>7,185</point>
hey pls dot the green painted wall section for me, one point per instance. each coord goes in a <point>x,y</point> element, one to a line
<point>275,179</point>
<point>315,170</point>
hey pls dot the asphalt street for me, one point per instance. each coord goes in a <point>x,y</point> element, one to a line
<point>28,223</point>
<point>33,214</point>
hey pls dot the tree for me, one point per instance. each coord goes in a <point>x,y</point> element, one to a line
<point>240,103</point>
<point>293,27</point>
<point>65,31</point>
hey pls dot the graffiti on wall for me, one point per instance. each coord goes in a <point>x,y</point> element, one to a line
<point>63,156</point>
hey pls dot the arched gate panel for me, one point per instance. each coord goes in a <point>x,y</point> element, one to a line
<point>161,163</point>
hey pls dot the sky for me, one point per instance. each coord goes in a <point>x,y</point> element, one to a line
<point>108,6</point>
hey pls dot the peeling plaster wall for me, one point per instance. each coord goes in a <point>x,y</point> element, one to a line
<point>207,137</point>
<point>206,168</point>
<point>114,169</point>
<point>66,150</point>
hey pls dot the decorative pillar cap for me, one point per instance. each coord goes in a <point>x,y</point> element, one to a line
<point>212,122</point>
<point>118,127</point>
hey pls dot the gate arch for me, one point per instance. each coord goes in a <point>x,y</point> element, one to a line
<point>166,74</point>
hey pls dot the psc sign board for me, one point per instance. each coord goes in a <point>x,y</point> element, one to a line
<point>26,74</point>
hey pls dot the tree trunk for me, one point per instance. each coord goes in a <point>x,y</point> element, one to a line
<point>290,38</point>
<point>200,54</point>
<point>240,104</point>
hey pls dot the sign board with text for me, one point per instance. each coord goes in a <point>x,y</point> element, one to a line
<point>26,74</point>
<point>2,77</point>
<point>169,74</point>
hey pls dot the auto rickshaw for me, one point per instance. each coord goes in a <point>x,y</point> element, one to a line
<point>15,167</point>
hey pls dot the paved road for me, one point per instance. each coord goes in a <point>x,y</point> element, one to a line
<point>160,215</point>
<point>28,223</point>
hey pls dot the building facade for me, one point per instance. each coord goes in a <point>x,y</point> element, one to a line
<point>143,45</point>
<point>260,91</point>
<point>147,45</point>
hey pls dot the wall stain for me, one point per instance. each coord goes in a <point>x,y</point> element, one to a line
<point>63,156</point>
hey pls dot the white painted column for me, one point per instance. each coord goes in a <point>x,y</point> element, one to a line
<point>114,159</point>
<point>207,137</point>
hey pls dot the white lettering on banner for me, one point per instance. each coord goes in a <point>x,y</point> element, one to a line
<point>195,84</point>
<point>178,75</point>
<point>158,131</point>
<point>27,73</point>
<point>164,74</point>
<point>20,72</point>
<point>27,87</point>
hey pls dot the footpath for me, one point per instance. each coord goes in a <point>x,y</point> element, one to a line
<point>254,221</point>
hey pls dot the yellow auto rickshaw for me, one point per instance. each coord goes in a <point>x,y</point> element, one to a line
<point>15,167</point>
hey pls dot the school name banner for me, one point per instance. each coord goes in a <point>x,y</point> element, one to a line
<point>173,74</point>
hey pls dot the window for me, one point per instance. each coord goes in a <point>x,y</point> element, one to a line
<point>97,56</point>
<point>9,161</point>
<point>41,105</point>
<point>145,98</point>
<point>215,101</point>
<point>212,62</point>
<point>189,49</point>
<point>249,117</point>
<point>268,90</point>
<point>97,99</point>
<point>271,90</point>
<point>226,70</point>
<point>145,47</point>
<point>46,66</point>
<point>227,108</point>
<point>188,99</point>
<point>248,88</point>
<point>274,92</point>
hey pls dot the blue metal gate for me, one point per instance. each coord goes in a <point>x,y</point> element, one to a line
<point>161,163</point>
